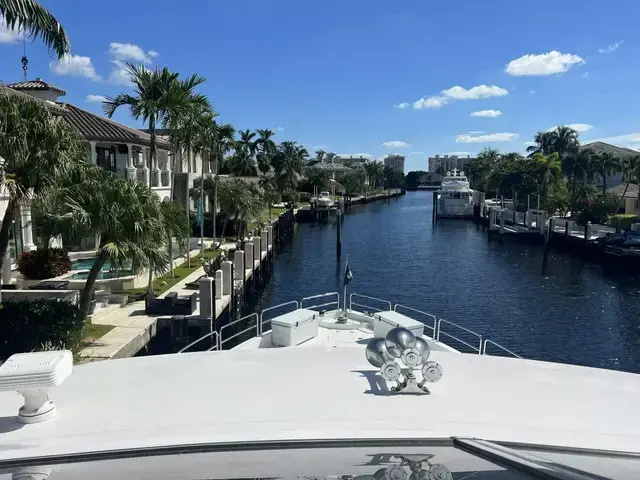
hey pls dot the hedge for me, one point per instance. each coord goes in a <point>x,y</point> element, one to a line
<point>30,325</point>
<point>623,221</point>
<point>43,264</point>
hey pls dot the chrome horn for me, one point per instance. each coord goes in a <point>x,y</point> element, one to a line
<point>412,352</point>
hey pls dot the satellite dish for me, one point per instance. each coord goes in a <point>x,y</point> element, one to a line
<point>398,340</point>
<point>377,353</point>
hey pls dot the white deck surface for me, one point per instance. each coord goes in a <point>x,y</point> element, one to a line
<point>323,392</point>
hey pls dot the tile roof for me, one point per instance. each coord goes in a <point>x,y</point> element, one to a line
<point>600,147</point>
<point>55,109</point>
<point>96,128</point>
<point>37,84</point>
<point>632,191</point>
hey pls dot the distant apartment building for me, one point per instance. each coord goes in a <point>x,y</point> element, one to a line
<point>446,163</point>
<point>395,161</point>
<point>352,161</point>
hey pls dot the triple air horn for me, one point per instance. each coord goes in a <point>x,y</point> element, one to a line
<point>398,355</point>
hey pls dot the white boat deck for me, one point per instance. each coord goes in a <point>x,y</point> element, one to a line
<point>323,393</point>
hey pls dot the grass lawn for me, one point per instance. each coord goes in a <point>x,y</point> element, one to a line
<point>165,282</point>
<point>96,331</point>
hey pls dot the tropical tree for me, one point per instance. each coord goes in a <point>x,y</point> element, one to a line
<point>126,217</point>
<point>630,168</point>
<point>247,143</point>
<point>238,200</point>
<point>36,22</point>
<point>375,172</point>
<point>242,164</point>
<point>36,150</point>
<point>270,193</point>
<point>480,167</point>
<point>607,164</point>
<point>565,140</point>
<point>288,162</point>
<point>320,155</point>
<point>544,143</point>
<point>175,225</point>
<point>548,170</point>
<point>157,96</point>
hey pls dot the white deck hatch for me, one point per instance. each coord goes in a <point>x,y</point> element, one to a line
<point>385,321</point>
<point>294,328</point>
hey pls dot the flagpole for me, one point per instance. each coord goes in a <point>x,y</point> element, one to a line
<point>346,265</point>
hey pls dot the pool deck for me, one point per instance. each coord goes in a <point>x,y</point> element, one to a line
<point>134,328</point>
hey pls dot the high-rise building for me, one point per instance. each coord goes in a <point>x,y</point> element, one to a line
<point>446,163</point>
<point>395,161</point>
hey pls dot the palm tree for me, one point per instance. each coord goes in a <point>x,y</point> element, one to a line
<point>158,94</point>
<point>288,163</point>
<point>544,144</point>
<point>266,149</point>
<point>577,167</point>
<point>320,155</point>
<point>630,168</point>
<point>548,169</point>
<point>176,225</point>
<point>36,21</point>
<point>36,150</point>
<point>565,140</point>
<point>607,164</point>
<point>238,200</point>
<point>126,216</point>
<point>247,142</point>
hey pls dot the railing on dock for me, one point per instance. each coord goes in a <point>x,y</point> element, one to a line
<point>256,324</point>
<point>362,305</point>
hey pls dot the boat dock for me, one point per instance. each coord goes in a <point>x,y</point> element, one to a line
<point>220,300</point>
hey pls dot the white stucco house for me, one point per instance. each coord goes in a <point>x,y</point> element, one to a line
<point>113,146</point>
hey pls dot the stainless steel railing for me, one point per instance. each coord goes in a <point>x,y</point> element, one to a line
<point>226,327</point>
<point>506,350</point>
<point>371,309</point>
<point>440,332</point>
<point>432,318</point>
<point>275,307</point>
<point>215,338</point>
<point>322,295</point>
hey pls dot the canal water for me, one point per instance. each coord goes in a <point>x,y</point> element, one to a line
<point>572,312</point>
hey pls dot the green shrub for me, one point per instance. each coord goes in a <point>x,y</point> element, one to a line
<point>29,325</point>
<point>623,221</point>
<point>43,264</point>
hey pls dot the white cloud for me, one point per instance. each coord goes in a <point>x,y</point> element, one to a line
<point>490,137</point>
<point>529,143</point>
<point>7,35</point>
<point>416,153</point>
<point>75,66</point>
<point>95,98</point>
<point>474,93</point>
<point>629,140</point>
<point>401,106</point>
<point>460,93</point>
<point>542,64</point>
<point>487,113</point>
<point>119,74</point>
<point>280,129</point>
<point>395,144</point>
<point>611,48</point>
<point>578,127</point>
<point>130,51</point>
<point>475,132</point>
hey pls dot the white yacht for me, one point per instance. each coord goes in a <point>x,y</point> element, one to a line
<point>455,198</point>
<point>324,200</point>
<point>326,388</point>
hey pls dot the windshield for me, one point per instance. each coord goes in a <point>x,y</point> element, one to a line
<point>440,459</point>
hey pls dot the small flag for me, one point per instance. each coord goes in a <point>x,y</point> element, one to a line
<point>347,275</point>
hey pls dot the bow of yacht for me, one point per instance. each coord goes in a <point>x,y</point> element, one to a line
<point>318,371</point>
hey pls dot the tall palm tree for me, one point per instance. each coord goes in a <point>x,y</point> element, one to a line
<point>175,225</point>
<point>565,140</point>
<point>266,148</point>
<point>157,94</point>
<point>288,163</point>
<point>577,167</point>
<point>544,144</point>
<point>607,164</point>
<point>630,168</point>
<point>36,150</point>
<point>35,21</point>
<point>548,169</point>
<point>127,218</point>
<point>247,142</point>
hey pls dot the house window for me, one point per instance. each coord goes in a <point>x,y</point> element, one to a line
<point>107,158</point>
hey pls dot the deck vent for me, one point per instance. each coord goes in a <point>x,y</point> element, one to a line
<point>398,355</point>
<point>32,375</point>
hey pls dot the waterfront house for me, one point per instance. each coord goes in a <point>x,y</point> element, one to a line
<point>620,152</point>
<point>631,203</point>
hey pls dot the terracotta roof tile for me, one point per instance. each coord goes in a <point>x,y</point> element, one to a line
<point>96,128</point>
<point>37,84</point>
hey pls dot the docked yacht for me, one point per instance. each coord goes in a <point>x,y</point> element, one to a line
<point>455,199</point>
<point>321,388</point>
<point>324,200</point>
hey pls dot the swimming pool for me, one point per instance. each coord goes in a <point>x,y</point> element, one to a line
<point>87,263</point>
<point>103,275</point>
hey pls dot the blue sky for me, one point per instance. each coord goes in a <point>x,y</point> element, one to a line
<point>333,73</point>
